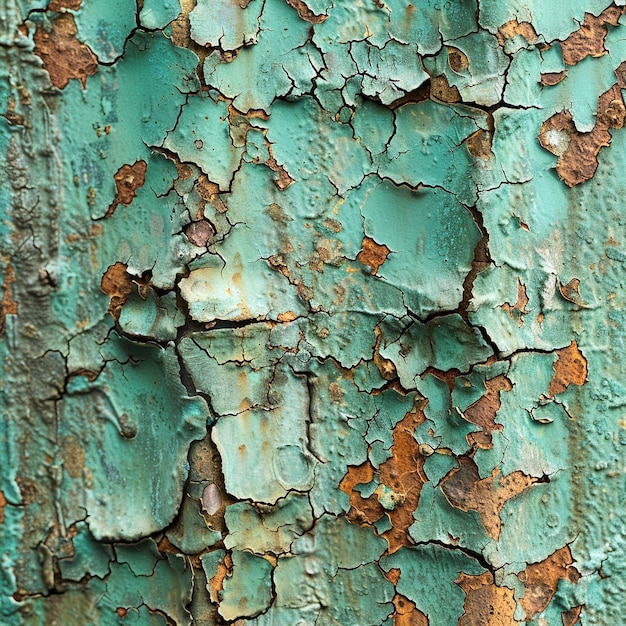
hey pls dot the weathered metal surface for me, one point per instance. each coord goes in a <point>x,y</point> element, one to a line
<point>312,312</point>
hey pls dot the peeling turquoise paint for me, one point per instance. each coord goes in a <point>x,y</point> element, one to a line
<point>312,312</point>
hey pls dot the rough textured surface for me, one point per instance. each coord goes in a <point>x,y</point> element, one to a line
<point>312,312</point>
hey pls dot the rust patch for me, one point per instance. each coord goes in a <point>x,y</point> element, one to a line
<point>401,481</point>
<point>552,78</point>
<point>372,254</point>
<point>570,368</point>
<point>441,90</point>
<point>305,12</point>
<point>479,144</point>
<point>386,367</point>
<point>406,613</point>
<point>541,580</point>
<point>3,503</point>
<point>284,179</point>
<point>216,584</point>
<point>571,291</point>
<point>128,179</point>
<point>486,604</point>
<point>117,283</point>
<point>571,617</point>
<point>74,457</point>
<point>513,28</point>
<point>519,308</point>
<point>620,74</point>
<point>8,306</point>
<point>578,152</point>
<point>483,412</point>
<point>465,490</point>
<point>457,59</point>
<point>589,39</point>
<point>59,5</point>
<point>64,56</point>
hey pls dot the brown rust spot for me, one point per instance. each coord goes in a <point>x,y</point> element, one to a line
<point>74,457</point>
<point>59,5</point>
<point>3,503</point>
<point>542,579</point>
<point>486,604</point>
<point>128,179</point>
<point>570,368</point>
<point>552,78</point>
<point>484,411</point>
<point>513,29</point>
<point>571,291</point>
<point>578,152</point>
<point>372,254</point>
<point>519,308</point>
<point>406,613</point>
<point>335,393</point>
<point>457,59</point>
<point>441,90</point>
<point>589,39</point>
<point>8,306</point>
<point>403,477</point>
<point>571,617</point>
<point>385,367</point>
<point>216,584</point>
<point>305,12</point>
<point>64,56</point>
<point>479,144</point>
<point>464,489</point>
<point>121,611</point>
<point>284,179</point>
<point>117,283</point>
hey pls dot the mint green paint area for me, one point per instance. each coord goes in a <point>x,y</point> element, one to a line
<point>308,316</point>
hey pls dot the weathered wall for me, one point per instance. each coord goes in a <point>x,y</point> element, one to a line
<point>312,312</point>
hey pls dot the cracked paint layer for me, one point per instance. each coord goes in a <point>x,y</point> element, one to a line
<point>311,312</point>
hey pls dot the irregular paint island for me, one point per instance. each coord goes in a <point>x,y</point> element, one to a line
<point>312,312</point>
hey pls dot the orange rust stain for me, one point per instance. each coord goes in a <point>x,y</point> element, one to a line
<point>406,613</point>
<point>578,152</point>
<point>64,56</point>
<point>216,584</point>
<point>479,144</point>
<point>305,12</point>
<point>287,316</point>
<point>284,179</point>
<point>402,473</point>
<point>520,303</point>
<point>465,490</point>
<point>8,306</point>
<point>386,368</point>
<point>128,179</point>
<point>552,78</point>
<point>570,368</point>
<point>541,580</point>
<point>486,604</point>
<point>3,503</point>
<point>372,254</point>
<point>117,283</point>
<point>59,5</point>
<point>121,611</point>
<point>589,39</point>
<point>513,28</point>
<point>483,412</point>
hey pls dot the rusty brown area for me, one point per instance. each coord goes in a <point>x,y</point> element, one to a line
<point>284,179</point>
<point>8,306</point>
<point>552,78</point>
<point>464,489</point>
<point>441,90</point>
<point>571,291</point>
<point>513,29</point>
<point>457,59</point>
<point>571,617</point>
<point>372,254</point>
<point>542,579</point>
<point>385,367</point>
<point>570,368</point>
<point>479,144</point>
<point>60,5</point>
<point>620,74</point>
<point>402,474</point>
<point>578,152</point>
<point>117,283</point>
<point>216,584</point>
<point>64,56</point>
<point>519,308</point>
<point>128,179</point>
<point>406,613</point>
<point>486,604</point>
<point>589,39</point>
<point>484,411</point>
<point>305,12</point>
<point>3,503</point>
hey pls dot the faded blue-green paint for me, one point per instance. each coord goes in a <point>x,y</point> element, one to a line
<point>312,312</point>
